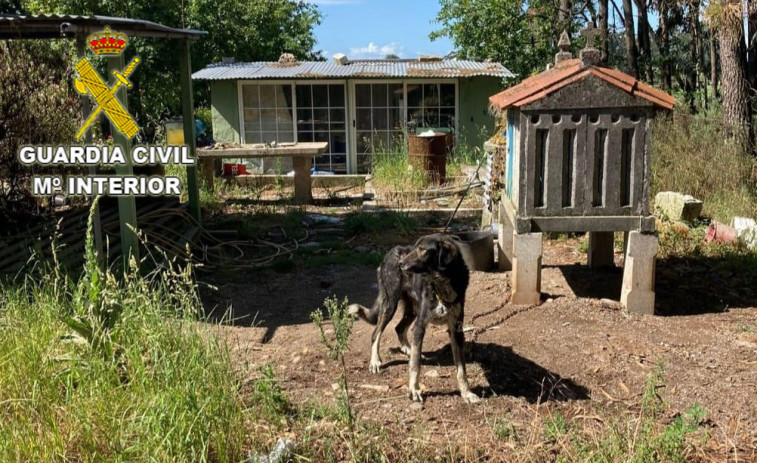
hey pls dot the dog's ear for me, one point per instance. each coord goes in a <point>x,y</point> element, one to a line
<point>447,253</point>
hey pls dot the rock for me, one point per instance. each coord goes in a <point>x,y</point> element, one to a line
<point>363,249</point>
<point>375,387</point>
<point>677,206</point>
<point>431,373</point>
<point>746,230</point>
<point>442,202</point>
<point>415,407</point>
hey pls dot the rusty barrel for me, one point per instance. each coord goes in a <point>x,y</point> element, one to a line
<point>429,152</point>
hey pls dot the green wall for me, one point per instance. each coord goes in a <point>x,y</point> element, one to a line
<point>225,111</point>
<point>474,114</point>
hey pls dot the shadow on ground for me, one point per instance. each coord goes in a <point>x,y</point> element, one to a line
<point>507,373</point>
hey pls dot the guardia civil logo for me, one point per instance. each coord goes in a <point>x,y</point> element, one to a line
<point>90,83</point>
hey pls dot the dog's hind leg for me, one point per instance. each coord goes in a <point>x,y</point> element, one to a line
<point>457,342</point>
<point>408,315</point>
<point>385,316</point>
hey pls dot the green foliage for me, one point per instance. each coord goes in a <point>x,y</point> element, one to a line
<point>689,156</point>
<point>269,397</point>
<point>380,222</point>
<point>248,31</point>
<point>337,344</point>
<point>35,90</point>
<point>521,35</point>
<point>392,171</point>
<point>143,383</point>
<point>555,426</point>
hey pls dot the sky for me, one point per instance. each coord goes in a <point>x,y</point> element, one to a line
<point>376,28</point>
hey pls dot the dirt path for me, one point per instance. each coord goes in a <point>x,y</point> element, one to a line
<point>576,352</point>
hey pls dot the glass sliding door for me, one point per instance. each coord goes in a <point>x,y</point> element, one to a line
<point>267,113</point>
<point>322,116</point>
<point>378,121</point>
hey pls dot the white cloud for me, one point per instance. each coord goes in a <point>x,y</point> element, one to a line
<point>377,51</point>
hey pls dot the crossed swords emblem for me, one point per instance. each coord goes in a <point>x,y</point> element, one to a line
<point>90,82</point>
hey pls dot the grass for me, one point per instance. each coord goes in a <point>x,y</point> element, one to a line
<point>380,222</point>
<point>107,369</point>
<point>690,156</point>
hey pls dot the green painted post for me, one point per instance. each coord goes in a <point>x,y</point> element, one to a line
<point>127,208</point>
<point>188,117</point>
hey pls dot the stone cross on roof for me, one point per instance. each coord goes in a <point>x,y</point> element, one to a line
<point>590,32</point>
<point>590,56</point>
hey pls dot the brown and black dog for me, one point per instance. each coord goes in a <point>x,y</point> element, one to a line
<point>430,279</point>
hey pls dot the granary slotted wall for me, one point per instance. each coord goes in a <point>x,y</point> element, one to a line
<point>584,152</point>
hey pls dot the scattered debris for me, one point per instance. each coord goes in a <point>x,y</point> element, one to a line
<point>431,373</point>
<point>677,206</point>
<point>746,230</point>
<point>375,387</point>
<point>280,454</point>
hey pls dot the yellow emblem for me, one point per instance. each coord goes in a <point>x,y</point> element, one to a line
<point>90,82</point>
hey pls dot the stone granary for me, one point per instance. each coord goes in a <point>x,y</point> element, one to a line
<point>577,160</point>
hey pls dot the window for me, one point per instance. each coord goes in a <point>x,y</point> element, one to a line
<point>267,113</point>
<point>378,120</point>
<point>431,105</point>
<point>321,116</point>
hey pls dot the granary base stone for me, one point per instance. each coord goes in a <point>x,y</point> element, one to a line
<point>676,206</point>
<point>637,293</point>
<point>526,274</point>
<point>601,249</point>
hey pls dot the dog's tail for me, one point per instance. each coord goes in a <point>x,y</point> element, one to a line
<point>364,313</point>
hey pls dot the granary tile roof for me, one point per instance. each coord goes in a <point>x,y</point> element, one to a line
<point>353,69</point>
<point>536,87</point>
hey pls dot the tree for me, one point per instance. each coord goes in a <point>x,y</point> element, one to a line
<point>247,30</point>
<point>519,34</point>
<point>725,16</point>
<point>632,53</point>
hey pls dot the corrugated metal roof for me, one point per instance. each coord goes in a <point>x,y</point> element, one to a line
<point>353,69</point>
<point>566,72</point>
<point>51,26</point>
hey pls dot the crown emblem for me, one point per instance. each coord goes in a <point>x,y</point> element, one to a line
<point>107,42</point>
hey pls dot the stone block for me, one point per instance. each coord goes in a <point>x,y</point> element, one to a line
<point>675,206</point>
<point>601,249</point>
<point>637,293</point>
<point>505,243</point>
<point>527,249</point>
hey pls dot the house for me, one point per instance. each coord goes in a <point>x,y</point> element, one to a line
<point>360,107</point>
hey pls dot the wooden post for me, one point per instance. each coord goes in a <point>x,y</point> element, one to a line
<point>86,107</point>
<point>127,209</point>
<point>188,117</point>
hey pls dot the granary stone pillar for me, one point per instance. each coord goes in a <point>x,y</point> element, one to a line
<point>637,293</point>
<point>504,241</point>
<point>601,249</point>
<point>526,274</point>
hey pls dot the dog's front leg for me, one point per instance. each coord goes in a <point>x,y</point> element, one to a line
<point>419,331</point>
<point>457,342</point>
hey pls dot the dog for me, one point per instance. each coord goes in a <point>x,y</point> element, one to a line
<point>430,279</point>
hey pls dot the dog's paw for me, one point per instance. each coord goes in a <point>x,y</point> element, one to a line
<point>375,367</point>
<point>471,398</point>
<point>415,395</point>
<point>405,350</point>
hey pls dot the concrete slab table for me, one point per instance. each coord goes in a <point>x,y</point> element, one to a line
<point>301,154</point>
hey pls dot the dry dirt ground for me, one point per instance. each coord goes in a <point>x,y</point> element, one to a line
<point>577,352</point>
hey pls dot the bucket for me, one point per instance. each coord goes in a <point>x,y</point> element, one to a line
<point>232,169</point>
<point>721,233</point>
<point>477,248</point>
<point>430,154</point>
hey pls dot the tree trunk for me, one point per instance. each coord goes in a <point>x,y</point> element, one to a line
<point>713,65</point>
<point>692,24</point>
<point>565,17</point>
<point>604,27</point>
<point>663,37</point>
<point>645,47</point>
<point>736,107</point>
<point>631,51</point>
<point>751,63</point>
